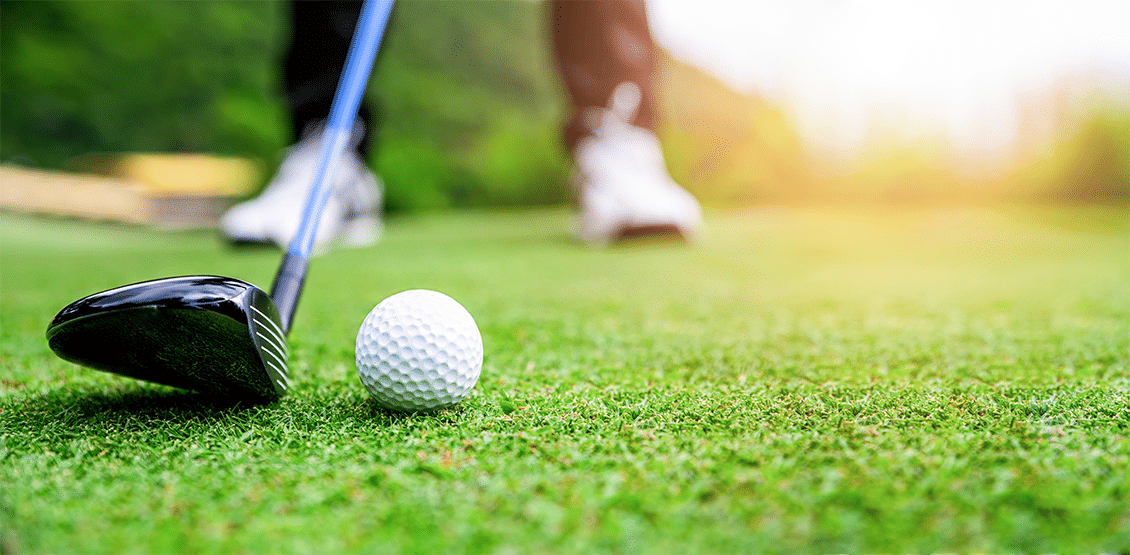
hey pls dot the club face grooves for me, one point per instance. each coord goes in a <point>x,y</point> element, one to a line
<point>204,333</point>
<point>267,333</point>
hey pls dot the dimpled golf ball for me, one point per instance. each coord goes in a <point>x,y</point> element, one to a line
<point>419,351</point>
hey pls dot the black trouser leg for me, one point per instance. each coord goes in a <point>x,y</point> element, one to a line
<point>315,57</point>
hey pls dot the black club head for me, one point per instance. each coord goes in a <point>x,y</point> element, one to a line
<point>210,334</point>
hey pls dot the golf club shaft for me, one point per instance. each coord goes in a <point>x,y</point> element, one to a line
<point>335,139</point>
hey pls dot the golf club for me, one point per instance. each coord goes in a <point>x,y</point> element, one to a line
<point>214,334</point>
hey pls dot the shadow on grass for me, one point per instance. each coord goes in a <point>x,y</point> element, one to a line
<point>141,405</point>
<point>160,401</point>
<point>65,411</point>
<point>373,412</point>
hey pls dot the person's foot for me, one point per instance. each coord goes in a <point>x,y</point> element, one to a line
<point>621,180</point>
<point>352,215</point>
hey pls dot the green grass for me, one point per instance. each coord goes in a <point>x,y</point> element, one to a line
<point>802,380</point>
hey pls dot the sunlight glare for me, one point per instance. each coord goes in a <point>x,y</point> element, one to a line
<point>859,72</point>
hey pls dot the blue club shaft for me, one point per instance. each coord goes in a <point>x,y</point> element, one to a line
<point>343,113</point>
<point>335,139</point>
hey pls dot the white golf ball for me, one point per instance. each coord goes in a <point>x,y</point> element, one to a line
<point>419,351</point>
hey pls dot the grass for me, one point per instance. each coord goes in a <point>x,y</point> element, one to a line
<point>810,379</point>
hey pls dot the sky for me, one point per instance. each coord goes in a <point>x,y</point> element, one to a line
<point>958,69</point>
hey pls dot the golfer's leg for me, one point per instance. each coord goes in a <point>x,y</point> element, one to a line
<point>598,46</point>
<point>607,61</point>
<point>320,34</point>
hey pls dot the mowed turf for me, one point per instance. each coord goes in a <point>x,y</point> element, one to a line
<point>853,379</point>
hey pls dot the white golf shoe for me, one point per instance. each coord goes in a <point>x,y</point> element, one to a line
<point>352,215</point>
<point>621,180</point>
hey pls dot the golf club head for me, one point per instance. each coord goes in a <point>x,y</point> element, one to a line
<point>211,334</point>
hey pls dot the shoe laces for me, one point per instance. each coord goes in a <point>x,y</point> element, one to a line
<point>615,144</point>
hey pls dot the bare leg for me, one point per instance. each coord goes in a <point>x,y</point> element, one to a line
<point>598,46</point>
<point>607,60</point>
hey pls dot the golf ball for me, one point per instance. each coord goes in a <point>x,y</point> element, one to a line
<point>419,351</point>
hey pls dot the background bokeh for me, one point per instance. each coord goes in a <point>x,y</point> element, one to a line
<point>469,110</point>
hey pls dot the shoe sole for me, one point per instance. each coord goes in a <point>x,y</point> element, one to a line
<point>242,243</point>
<point>656,231</point>
<point>357,231</point>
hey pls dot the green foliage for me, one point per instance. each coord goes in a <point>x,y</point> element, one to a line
<point>801,380</point>
<point>727,148</point>
<point>469,105</point>
<point>83,77</point>
<point>1090,164</point>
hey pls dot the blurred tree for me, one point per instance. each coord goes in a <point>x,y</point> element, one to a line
<point>131,76</point>
<point>1093,164</point>
<point>469,106</point>
<point>725,147</point>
